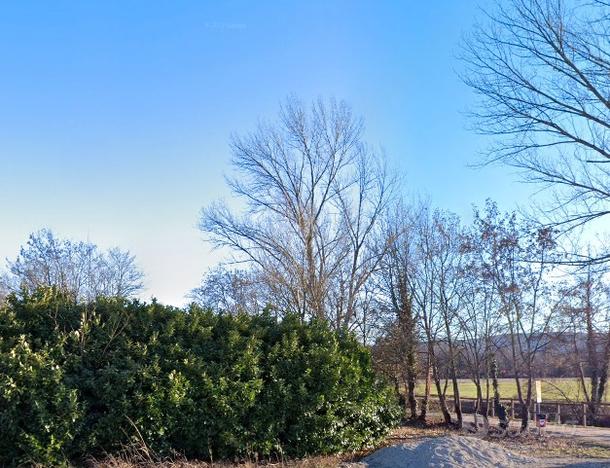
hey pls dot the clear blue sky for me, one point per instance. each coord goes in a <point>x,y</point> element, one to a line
<point>115,116</point>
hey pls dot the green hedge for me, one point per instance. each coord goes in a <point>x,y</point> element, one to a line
<point>82,380</point>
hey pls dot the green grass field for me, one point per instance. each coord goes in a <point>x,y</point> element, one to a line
<point>566,389</point>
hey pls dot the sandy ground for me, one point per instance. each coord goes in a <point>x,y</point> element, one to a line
<point>446,451</point>
<point>456,451</point>
<point>559,445</point>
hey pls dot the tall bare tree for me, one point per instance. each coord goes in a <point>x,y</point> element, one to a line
<point>313,196</point>
<point>478,321</point>
<point>450,263</point>
<point>542,71</point>
<point>519,261</point>
<point>588,328</point>
<point>429,288</point>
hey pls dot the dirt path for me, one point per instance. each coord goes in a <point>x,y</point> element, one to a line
<point>593,435</point>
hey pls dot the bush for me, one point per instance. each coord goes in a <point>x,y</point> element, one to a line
<point>82,380</point>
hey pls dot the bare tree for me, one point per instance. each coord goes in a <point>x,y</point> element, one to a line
<point>519,260</point>
<point>588,328</point>
<point>478,322</point>
<point>232,291</point>
<point>542,70</point>
<point>427,281</point>
<point>450,264</point>
<point>313,194</point>
<point>117,274</point>
<point>76,268</point>
<point>423,284</point>
<point>369,321</point>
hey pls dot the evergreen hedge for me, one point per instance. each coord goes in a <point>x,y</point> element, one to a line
<point>80,380</point>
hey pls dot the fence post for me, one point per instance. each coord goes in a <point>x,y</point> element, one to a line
<point>584,414</point>
<point>512,408</point>
<point>558,419</point>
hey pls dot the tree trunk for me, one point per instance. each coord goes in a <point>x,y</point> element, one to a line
<point>411,401</point>
<point>423,413</point>
<point>593,361</point>
<point>399,396</point>
<point>499,408</point>
<point>442,401</point>
<point>487,396</point>
<point>479,401</point>
<point>457,404</point>
<point>525,404</point>
<point>410,349</point>
<point>525,415</point>
<point>603,374</point>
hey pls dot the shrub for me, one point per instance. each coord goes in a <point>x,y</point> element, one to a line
<point>80,380</point>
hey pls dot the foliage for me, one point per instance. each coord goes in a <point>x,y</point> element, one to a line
<point>81,380</point>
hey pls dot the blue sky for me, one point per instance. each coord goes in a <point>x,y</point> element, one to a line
<point>115,116</point>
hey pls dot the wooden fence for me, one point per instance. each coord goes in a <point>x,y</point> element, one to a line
<point>560,412</point>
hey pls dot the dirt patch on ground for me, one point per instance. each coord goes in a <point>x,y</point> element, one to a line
<point>446,451</point>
